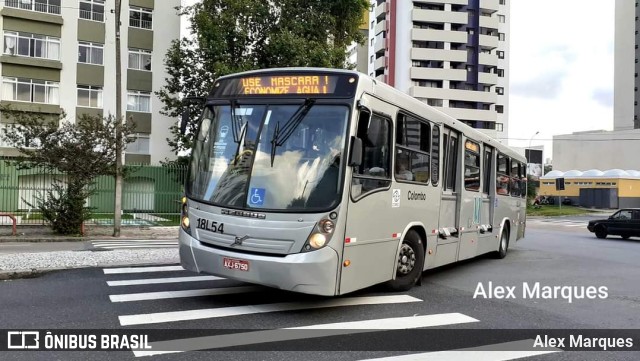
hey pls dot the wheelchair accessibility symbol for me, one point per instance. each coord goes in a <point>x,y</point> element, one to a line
<point>256,196</point>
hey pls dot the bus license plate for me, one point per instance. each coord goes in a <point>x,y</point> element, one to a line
<point>235,264</point>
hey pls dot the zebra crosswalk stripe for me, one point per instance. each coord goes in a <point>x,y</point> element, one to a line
<point>312,331</point>
<point>496,352</point>
<point>109,271</point>
<point>175,316</point>
<point>147,296</point>
<point>162,280</point>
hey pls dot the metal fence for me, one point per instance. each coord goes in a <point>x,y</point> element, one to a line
<point>151,195</point>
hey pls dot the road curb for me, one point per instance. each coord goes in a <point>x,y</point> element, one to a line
<point>36,272</point>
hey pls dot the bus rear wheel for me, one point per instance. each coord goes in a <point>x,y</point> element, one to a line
<point>410,262</point>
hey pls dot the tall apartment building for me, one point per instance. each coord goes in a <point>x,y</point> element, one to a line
<point>59,55</point>
<point>626,110</point>
<point>451,54</point>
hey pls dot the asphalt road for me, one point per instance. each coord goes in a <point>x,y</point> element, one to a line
<point>554,253</point>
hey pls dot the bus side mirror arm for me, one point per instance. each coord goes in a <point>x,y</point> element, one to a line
<point>184,122</point>
<point>355,157</point>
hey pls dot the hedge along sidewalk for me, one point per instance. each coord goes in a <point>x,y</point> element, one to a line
<point>24,265</point>
<point>44,234</point>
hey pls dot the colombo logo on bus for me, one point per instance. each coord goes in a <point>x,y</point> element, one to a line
<point>412,196</point>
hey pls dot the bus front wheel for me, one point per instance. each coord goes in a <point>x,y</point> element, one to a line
<point>410,262</point>
<point>504,245</point>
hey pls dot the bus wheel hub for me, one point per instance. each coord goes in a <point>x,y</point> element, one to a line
<point>407,259</point>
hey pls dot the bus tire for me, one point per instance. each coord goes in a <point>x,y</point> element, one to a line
<point>504,245</point>
<point>410,263</point>
<point>601,232</point>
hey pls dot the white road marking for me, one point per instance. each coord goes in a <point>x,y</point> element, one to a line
<point>109,271</point>
<point>163,280</point>
<point>140,246</point>
<point>293,333</point>
<point>264,308</point>
<point>482,353</point>
<point>132,240</point>
<point>180,294</point>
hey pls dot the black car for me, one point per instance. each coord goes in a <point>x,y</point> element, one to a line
<point>624,223</point>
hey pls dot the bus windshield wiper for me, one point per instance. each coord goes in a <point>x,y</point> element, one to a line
<point>280,136</point>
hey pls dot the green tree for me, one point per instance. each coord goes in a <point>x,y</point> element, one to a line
<point>230,36</point>
<point>77,152</point>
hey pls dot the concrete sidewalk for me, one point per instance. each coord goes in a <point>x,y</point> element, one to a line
<point>36,250</point>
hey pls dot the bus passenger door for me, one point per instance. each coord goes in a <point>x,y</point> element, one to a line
<point>486,239</point>
<point>369,247</point>
<point>448,223</point>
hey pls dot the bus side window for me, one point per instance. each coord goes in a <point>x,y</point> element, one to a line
<point>374,172</point>
<point>502,175</point>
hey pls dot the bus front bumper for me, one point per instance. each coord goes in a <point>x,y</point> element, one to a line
<point>313,272</point>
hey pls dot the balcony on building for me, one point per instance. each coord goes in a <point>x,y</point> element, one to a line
<point>439,16</point>
<point>439,35</point>
<point>489,5</point>
<point>381,9</point>
<point>42,6</point>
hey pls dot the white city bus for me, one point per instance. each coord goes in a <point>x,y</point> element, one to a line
<point>326,181</point>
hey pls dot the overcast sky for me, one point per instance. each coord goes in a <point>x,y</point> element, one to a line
<point>561,69</point>
<point>561,66</point>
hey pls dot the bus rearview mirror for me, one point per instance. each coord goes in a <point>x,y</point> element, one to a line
<point>355,158</point>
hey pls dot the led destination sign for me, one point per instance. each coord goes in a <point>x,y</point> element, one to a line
<point>288,84</point>
<point>303,84</point>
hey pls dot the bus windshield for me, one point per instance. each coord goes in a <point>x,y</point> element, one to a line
<point>269,156</point>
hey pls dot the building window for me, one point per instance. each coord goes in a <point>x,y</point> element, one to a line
<point>89,96</point>
<point>140,18</point>
<point>138,101</point>
<point>43,6</point>
<point>499,127</point>
<point>141,145</point>
<point>92,10</point>
<point>500,54</point>
<point>501,36</point>
<point>90,53</point>
<point>501,73</point>
<point>501,18</point>
<point>500,109</point>
<point>31,45</point>
<point>500,90</point>
<point>30,90</point>
<point>139,59</point>
<point>434,102</point>
<point>503,2</point>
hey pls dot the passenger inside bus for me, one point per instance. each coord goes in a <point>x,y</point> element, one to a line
<point>402,169</point>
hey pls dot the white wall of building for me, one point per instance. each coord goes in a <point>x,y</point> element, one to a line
<point>597,150</point>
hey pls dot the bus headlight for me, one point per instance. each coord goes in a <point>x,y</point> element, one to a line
<point>184,216</point>
<point>317,240</point>
<point>320,236</point>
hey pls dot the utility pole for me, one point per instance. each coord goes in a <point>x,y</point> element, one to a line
<point>117,212</point>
